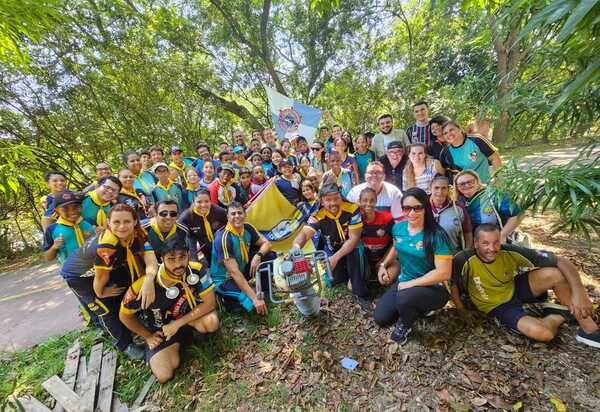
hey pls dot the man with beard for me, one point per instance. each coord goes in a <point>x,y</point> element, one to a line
<point>388,134</point>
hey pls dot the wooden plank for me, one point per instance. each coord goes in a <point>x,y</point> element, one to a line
<point>107,380</point>
<point>30,404</point>
<point>117,406</point>
<point>63,394</point>
<point>140,399</point>
<point>88,397</point>
<point>70,373</point>
<point>81,376</point>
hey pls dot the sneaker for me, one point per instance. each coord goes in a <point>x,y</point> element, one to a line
<point>400,333</point>
<point>555,309</point>
<point>590,339</point>
<point>134,352</point>
<point>365,304</point>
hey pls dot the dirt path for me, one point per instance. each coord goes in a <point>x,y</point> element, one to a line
<point>35,304</point>
<point>558,156</point>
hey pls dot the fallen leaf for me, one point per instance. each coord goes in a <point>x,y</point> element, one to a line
<point>518,406</point>
<point>478,401</point>
<point>558,404</point>
<point>509,348</point>
<point>444,395</point>
<point>265,367</point>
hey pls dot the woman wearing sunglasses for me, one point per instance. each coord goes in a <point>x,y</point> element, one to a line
<point>425,256</point>
<point>485,204</point>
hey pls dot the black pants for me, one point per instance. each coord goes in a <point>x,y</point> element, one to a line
<point>107,310</point>
<point>349,267</point>
<point>408,304</point>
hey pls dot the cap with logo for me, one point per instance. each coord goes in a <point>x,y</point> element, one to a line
<point>67,198</point>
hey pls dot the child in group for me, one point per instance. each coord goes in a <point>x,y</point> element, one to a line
<point>338,175</point>
<point>376,237</point>
<point>165,187</point>
<point>305,166</point>
<point>289,182</point>
<point>244,185</point>
<point>208,174</point>
<point>363,155</point>
<point>256,159</point>
<point>259,180</point>
<point>340,145</point>
<point>193,186</point>
<point>56,182</point>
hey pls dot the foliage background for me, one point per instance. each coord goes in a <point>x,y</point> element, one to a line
<point>84,80</point>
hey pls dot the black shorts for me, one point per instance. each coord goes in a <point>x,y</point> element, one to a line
<point>182,336</point>
<point>509,313</point>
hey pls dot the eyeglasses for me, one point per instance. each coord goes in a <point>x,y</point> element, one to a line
<point>316,149</point>
<point>395,152</point>
<point>166,213</point>
<point>466,183</point>
<point>407,209</point>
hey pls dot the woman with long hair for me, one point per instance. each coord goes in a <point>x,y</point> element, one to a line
<point>425,255</point>
<point>340,145</point>
<point>485,204</point>
<point>130,195</point>
<point>119,256</point>
<point>193,186</point>
<point>208,174</point>
<point>420,168</point>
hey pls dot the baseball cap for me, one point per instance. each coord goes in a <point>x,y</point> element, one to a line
<point>227,167</point>
<point>175,149</point>
<point>243,170</point>
<point>157,165</point>
<point>329,189</point>
<point>238,149</point>
<point>396,144</point>
<point>67,198</point>
<point>285,162</point>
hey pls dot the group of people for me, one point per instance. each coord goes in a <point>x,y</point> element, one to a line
<point>151,249</point>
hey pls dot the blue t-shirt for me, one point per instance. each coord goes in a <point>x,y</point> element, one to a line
<point>411,252</point>
<point>54,230</point>
<point>90,209</point>
<point>473,155</point>
<point>362,160</point>
<point>344,180</point>
<point>227,246</point>
<point>481,208</point>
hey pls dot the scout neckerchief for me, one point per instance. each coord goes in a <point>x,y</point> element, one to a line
<point>154,226</point>
<point>226,192</point>
<point>240,235</point>
<point>76,228</point>
<point>165,188</point>
<point>133,193</point>
<point>207,228</point>
<point>189,296</point>
<point>338,225</point>
<point>134,270</point>
<point>437,211</point>
<point>101,215</point>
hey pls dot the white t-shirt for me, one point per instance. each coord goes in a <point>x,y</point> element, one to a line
<point>388,199</point>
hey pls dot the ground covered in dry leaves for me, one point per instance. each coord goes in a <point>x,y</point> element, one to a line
<point>451,363</point>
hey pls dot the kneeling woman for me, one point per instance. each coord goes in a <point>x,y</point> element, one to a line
<point>425,256</point>
<point>185,302</point>
<point>116,255</point>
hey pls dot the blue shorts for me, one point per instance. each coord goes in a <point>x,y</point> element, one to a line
<point>510,312</point>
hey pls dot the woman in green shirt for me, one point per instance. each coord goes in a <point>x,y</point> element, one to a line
<point>425,256</point>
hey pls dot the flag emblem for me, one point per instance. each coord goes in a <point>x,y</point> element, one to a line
<point>289,120</point>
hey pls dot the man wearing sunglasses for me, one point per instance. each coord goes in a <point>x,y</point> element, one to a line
<point>164,225</point>
<point>340,225</point>
<point>185,302</point>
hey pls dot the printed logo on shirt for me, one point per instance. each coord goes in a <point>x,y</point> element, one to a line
<point>106,254</point>
<point>419,245</point>
<point>129,297</point>
<point>488,210</point>
<point>380,232</point>
<point>474,156</point>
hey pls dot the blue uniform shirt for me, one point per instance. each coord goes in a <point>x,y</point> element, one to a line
<point>54,230</point>
<point>227,246</point>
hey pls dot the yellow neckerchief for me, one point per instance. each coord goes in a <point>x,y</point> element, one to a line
<point>101,215</point>
<point>192,188</point>
<point>144,185</point>
<point>207,228</point>
<point>226,192</point>
<point>337,223</point>
<point>166,189</point>
<point>240,235</point>
<point>244,164</point>
<point>154,226</point>
<point>134,194</point>
<point>76,228</point>
<point>189,296</point>
<point>302,173</point>
<point>174,165</point>
<point>134,270</point>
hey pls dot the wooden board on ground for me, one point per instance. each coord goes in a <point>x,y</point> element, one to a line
<point>140,399</point>
<point>81,375</point>
<point>93,375</point>
<point>117,406</point>
<point>71,367</point>
<point>107,380</point>
<point>63,394</point>
<point>30,404</point>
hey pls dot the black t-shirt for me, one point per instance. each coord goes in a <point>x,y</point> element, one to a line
<point>393,175</point>
<point>217,218</point>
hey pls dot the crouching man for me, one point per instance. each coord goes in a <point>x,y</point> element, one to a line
<point>499,279</point>
<point>185,302</point>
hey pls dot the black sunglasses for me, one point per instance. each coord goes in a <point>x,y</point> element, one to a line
<point>407,209</point>
<point>166,213</point>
